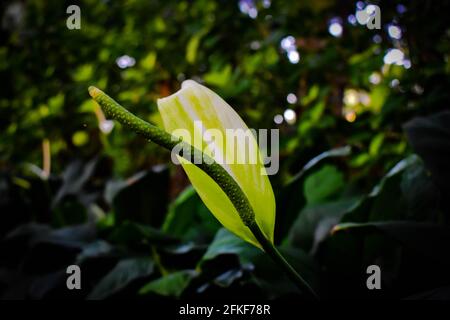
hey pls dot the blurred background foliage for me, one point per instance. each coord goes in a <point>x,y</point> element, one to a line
<point>356,185</point>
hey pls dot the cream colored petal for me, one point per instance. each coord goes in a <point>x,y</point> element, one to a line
<point>197,109</point>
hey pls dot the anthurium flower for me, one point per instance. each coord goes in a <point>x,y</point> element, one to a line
<point>219,132</point>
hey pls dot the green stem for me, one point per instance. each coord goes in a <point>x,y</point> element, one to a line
<point>278,258</point>
<point>226,182</point>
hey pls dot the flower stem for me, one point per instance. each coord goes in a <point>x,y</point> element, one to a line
<point>278,258</point>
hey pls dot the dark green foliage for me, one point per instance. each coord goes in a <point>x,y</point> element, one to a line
<point>349,194</point>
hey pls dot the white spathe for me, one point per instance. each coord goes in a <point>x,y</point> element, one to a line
<point>195,104</point>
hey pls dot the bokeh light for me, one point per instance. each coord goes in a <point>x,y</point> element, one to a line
<point>125,61</point>
<point>290,116</point>
<point>375,78</point>
<point>278,119</point>
<point>291,98</point>
<point>394,32</point>
<point>394,56</point>
<point>294,57</point>
<point>335,28</point>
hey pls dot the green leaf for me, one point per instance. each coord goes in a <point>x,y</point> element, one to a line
<point>83,73</point>
<point>442,293</point>
<point>323,184</point>
<point>219,78</point>
<point>171,285</point>
<point>291,199</point>
<point>123,274</point>
<point>188,218</point>
<point>387,199</point>
<point>336,152</point>
<point>421,194</point>
<point>227,243</point>
<point>430,240</point>
<point>193,44</point>
<point>74,177</point>
<point>149,61</point>
<point>430,138</point>
<point>314,222</point>
<point>229,277</point>
<point>276,284</point>
<point>132,234</point>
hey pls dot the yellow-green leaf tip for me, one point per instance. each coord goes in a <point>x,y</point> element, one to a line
<point>94,91</point>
